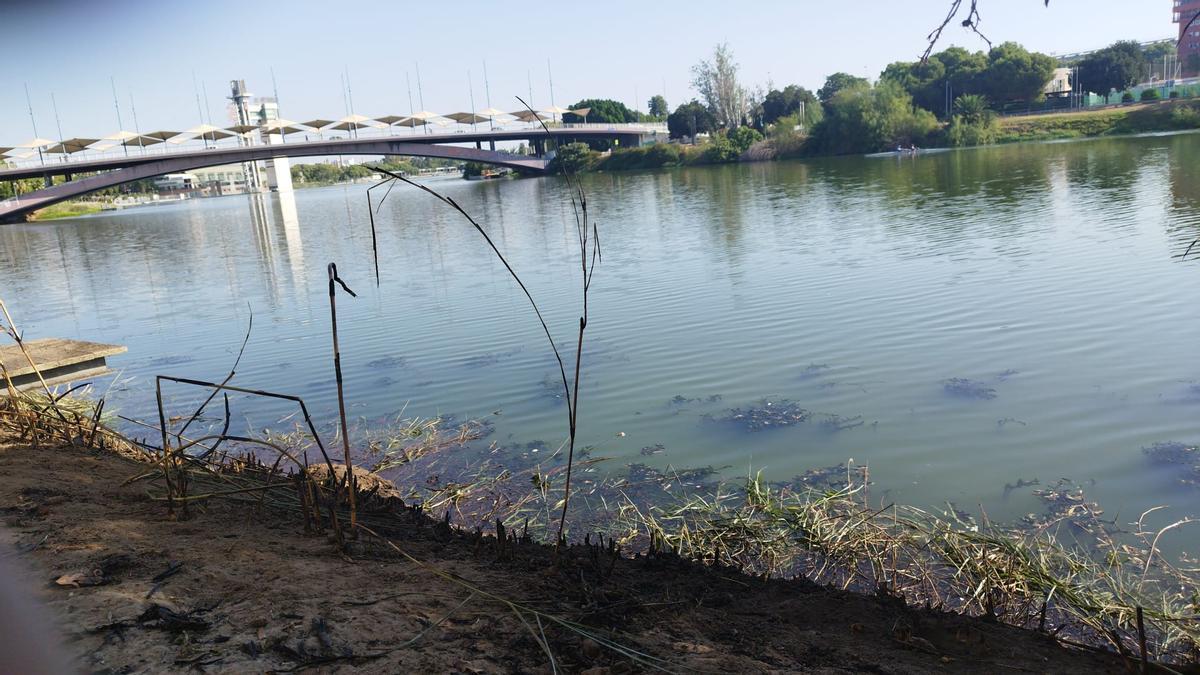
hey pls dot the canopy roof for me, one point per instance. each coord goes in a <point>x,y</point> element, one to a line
<point>529,116</point>
<point>120,136</point>
<point>36,143</point>
<point>355,122</point>
<point>141,141</point>
<point>425,115</point>
<point>556,110</point>
<point>242,128</point>
<point>466,118</point>
<point>208,131</point>
<point>162,135</point>
<point>71,146</point>
<point>389,119</point>
<point>317,124</point>
<point>582,112</point>
<point>410,122</point>
<point>491,112</point>
<point>4,150</point>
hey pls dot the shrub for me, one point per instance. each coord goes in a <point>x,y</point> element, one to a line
<point>743,137</point>
<point>963,132</point>
<point>571,158</point>
<point>1174,94</point>
<point>720,151</point>
<point>1150,95</point>
<point>1127,97</point>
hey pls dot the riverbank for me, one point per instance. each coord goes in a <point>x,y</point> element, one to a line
<point>242,587</point>
<point>1133,119</point>
<point>66,210</point>
<point>1163,116</point>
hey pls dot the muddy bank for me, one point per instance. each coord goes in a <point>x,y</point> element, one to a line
<point>236,589</point>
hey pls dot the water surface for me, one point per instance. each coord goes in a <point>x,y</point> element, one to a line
<point>851,286</point>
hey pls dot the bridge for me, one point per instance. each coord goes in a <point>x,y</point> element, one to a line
<point>106,172</point>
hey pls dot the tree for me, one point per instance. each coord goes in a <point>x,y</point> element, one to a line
<point>571,158</point>
<point>1015,74</point>
<point>744,137</point>
<point>603,111</point>
<point>716,82</point>
<point>1116,67</point>
<point>1008,72</point>
<point>973,108</point>
<point>792,100</point>
<point>837,82</point>
<point>862,119</point>
<point>658,107</point>
<point>690,119</point>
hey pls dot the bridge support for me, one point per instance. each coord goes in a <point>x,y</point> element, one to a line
<point>279,174</point>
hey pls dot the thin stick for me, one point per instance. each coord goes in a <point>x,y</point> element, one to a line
<point>334,281</point>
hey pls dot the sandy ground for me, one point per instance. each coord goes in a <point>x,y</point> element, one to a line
<point>234,590</point>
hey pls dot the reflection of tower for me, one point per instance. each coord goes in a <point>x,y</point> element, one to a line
<point>241,105</point>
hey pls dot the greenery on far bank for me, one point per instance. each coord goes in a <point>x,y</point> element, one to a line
<point>66,210</point>
<point>325,173</point>
<point>1160,116</point>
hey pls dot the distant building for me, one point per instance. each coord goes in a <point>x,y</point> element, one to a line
<point>1059,85</point>
<point>222,180</point>
<point>1189,37</point>
<point>174,182</point>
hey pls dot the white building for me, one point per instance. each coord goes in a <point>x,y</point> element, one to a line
<point>1060,83</point>
<point>227,179</point>
<point>175,181</point>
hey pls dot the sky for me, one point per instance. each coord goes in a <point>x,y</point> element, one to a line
<point>160,54</point>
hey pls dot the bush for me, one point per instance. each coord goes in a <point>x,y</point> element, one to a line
<point>744,137</point>
<point>646,157</point>
<point>1174,94</point>
<point>571,158</point>
<point>1127,97</point>
<point>964,133</point>
<point>1150,95</point>
<point>720,151</point>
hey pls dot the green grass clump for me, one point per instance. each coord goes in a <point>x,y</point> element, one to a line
<point>66,210</point>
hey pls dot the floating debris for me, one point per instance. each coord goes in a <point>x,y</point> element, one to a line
<point>839,423</point>
<point>1009,420</point>
<point>813,370</point>
<point>1005,374</point>
<point>1065,501</point>
<point>489,358</point>
<point>386,362</point>
<point>964,388</point>
<point>680,400</point>
<point>1182,455</point>
<point>825,478</point>
<point>768,415</point>
<point>656,449</point>
<point>1021,483</point>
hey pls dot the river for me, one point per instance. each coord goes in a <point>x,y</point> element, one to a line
<point>856,287</point>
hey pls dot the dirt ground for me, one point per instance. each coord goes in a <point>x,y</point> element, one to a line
<point>236,590</point>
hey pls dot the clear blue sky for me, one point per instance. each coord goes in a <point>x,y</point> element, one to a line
<point>608,49</point>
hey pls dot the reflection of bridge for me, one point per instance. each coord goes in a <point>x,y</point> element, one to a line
<point>111,171</point>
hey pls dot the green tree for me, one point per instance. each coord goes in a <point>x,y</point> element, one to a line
<point>791,100</point>
<point>1015,73</point>
<point>603,111</point>
<point>837,82</point>
<point>690,119</point>
<point>571,158</point>
<point>973,122</point>
<point>743,137</point>
<point>1114,68</point>
<point>863,119</point>
<point>657,105</point>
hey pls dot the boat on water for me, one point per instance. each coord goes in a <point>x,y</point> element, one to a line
<point>908,152</point>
